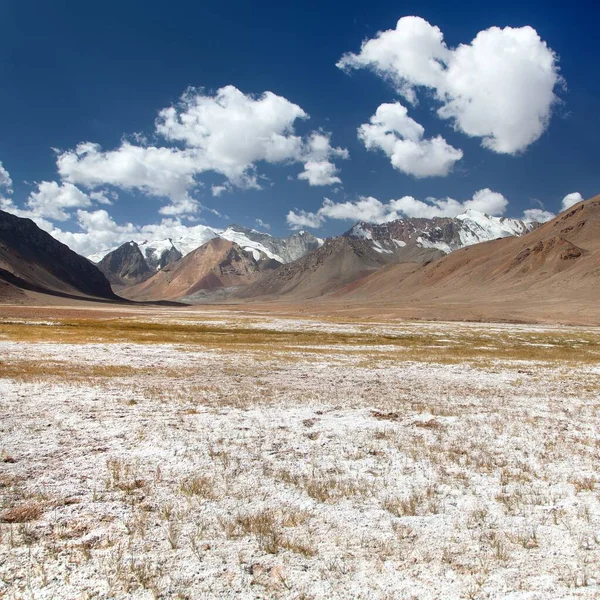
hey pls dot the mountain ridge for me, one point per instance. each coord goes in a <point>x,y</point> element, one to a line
<point>31,259</point>
<point>218,263</point>
<point>161,252</point>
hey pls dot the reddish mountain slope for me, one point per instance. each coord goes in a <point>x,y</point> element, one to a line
<point>218,263</point>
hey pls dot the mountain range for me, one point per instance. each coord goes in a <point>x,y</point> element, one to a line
<point>159,253</point>
<point>471,266</point>
<point>402,239</point>
<point>445,234</point>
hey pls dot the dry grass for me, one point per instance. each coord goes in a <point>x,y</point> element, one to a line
<point>37,370</point>
<point>268,527</point>
<point>419,344</point>
<point>202,486</point>
<point>22,513</point>
<point>346,471</point>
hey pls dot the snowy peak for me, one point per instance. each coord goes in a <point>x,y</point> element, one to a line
<point>283,250</point>
<point>442,234</point>
<point>157,254</point>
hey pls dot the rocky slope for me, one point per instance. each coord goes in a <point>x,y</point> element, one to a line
<point>336,263</point>
<point>445,234</point>
<point>126,265</point>
<point>31,259</point>
<point>218,263</point>
<point>284,250</point>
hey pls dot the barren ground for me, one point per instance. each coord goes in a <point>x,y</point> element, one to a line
<point>203,453</point>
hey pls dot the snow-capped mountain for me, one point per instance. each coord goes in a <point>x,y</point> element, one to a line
<point>159,253</point>
<point>283,250</point>
<point>440,233</point>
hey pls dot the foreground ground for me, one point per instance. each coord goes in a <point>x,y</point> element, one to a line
<point>206,454</point>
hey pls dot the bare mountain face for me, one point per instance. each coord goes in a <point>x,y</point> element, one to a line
<point>403,236</point>
<point>338,262</point>
<point>219,263</point>
<point>31,259</point>
<point>126,265</point>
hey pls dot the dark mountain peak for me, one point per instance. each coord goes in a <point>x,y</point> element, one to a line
<point>35,260</point>
<point>126,265</point>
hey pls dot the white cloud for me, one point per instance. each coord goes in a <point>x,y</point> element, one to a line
<point>537,215</point>
<point>51,200</point>
<point>302,219</point>
<point>232,131</point>
<point>99,232</point>
<point>374,211</point>
<point>318,169</point>
<point>262,224</point>
<point>500,87</point>
<point>156,171</point>
<point>320,172</point>
<point>401,138</point>
<point>571,199</point>
<point>5,180</point>
<point>487,201</point>
<point>229,133</point>
<point>104,197</point>
<point>217,190</point>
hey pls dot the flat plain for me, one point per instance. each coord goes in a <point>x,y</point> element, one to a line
<point>213,453</point>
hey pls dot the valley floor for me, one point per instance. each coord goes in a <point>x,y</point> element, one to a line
<point>211,454</point>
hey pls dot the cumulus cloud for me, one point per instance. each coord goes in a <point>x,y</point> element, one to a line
<point>319,173</point>
<point>318,168</point>
<point>300,219</point>
<point>5,180</point>
<point>99,232</point>
<point>52,201</point>
<point>262,224</point>
<point>374,211</point>
<point>401,138</point>
<point>571,199</point>
<point>499,87</point>
<point>104,196</point>
<point>537,215</point>
<point>229,133</point>
<point>156,171</point>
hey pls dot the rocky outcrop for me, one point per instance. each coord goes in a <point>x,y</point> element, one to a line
<point>445,234</point>
<point>126,265</point>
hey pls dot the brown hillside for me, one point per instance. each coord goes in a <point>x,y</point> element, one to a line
<point>559,261</point>
<point>218,263</point>
<point>31,260</point>
<point>338,262</point>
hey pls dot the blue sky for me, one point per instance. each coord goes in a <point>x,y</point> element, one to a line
<point>77,72</point>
